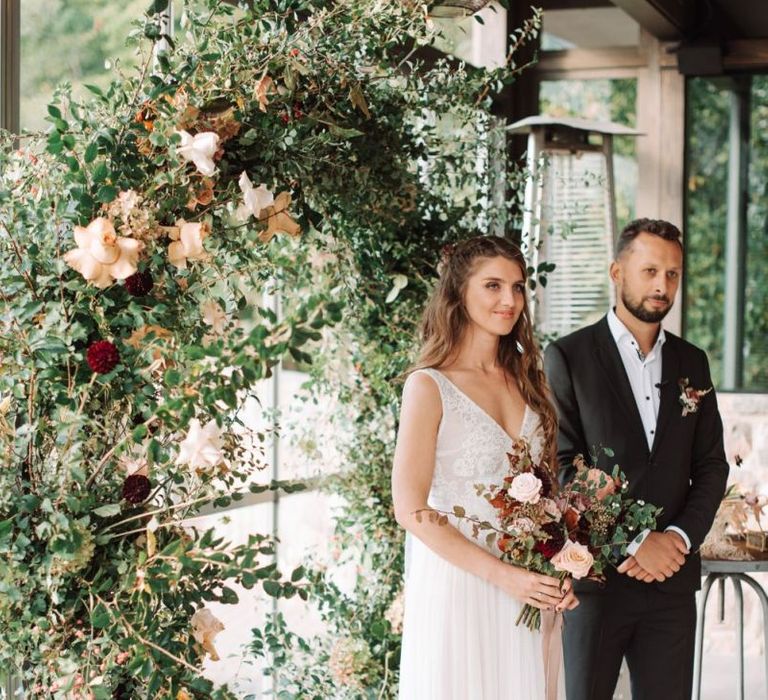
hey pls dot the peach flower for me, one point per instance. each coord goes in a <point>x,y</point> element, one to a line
<point>101,255</point>
<point>575,559</point>
<point>205,626</point>
<point>187,242</point>
<point>603,482</point>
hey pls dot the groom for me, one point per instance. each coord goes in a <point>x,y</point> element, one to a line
<point>621,383</point>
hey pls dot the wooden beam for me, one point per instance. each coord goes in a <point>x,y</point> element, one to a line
<point>745,54</point>
<point>663,19</point>
<point>587,59</point>
<point>10,22</point>
<point>547,5</point>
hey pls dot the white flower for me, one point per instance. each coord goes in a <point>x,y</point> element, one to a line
<point>214,316</point>
<point>255,199</point>
<point>201,449</point>
<point>199,149</point>
<point>101,255</point>
<point>525,488</point>
<point>205,626</point>
<point>187,242</point>
<point>574,558</point>
<point>127,201</point>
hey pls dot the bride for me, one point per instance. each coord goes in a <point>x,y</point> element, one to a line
<point>478,386</point>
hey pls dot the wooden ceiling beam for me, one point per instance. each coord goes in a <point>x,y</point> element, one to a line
<point>571,4</point>
<point>667,20</point>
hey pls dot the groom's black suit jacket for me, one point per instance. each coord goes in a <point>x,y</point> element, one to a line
<point>684,472</point>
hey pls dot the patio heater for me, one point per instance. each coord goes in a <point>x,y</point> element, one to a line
<point>570,217</point>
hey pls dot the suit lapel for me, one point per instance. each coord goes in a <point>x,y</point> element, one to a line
<point>610,359</point>
<point>668,400</point>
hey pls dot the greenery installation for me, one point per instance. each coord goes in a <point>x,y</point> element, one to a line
<point>295,150</point>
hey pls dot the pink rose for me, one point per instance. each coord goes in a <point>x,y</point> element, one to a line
<point>551,509</point>
<point>525,488</point>
<point>604,483</point>
<point>574,558</point>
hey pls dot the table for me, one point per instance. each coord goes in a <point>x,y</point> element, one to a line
<point>738,573</point>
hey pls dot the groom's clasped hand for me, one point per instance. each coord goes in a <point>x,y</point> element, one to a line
<point>661,555</point>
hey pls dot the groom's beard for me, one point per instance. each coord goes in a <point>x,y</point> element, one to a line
<point>641,313</point>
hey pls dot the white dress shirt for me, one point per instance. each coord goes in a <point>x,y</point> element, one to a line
<point>644,373</point>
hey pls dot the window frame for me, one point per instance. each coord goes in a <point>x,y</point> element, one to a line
<point>10,64</point>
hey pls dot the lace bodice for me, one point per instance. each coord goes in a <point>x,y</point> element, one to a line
<point>472,449</point>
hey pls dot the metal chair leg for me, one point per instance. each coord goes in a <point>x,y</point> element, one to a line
<point>699,648</point>
<point>763,598</point>
<point>739,637</point>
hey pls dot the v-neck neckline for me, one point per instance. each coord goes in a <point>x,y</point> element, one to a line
<point>485,413</point>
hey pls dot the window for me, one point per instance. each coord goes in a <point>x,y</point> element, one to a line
<point>575,217</point>
<point>602,99</point>
<point>726,294</point>
<point>83,41</point>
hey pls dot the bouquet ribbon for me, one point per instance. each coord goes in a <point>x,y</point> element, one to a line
<point>552,647</point>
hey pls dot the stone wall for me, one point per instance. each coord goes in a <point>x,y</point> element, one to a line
<point>745,422</point>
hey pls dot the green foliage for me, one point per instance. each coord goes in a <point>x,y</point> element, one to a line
<point>706,224</point>
<point>431,126</point>
<point>324,104</point>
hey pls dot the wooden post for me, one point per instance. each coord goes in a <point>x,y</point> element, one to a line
<point>661,151</point>
<point>10,57</point>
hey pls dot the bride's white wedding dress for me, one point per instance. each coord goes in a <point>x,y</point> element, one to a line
<point>460,641</point>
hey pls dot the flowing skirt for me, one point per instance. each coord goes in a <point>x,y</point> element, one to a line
<point>460,641</point>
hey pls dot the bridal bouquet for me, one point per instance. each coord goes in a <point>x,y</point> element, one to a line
<point>575,531</point>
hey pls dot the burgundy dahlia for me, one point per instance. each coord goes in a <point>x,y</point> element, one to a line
<point>554,543</point>
<point>139,284</point>
<point>136,488</point>
<point>102,356</point>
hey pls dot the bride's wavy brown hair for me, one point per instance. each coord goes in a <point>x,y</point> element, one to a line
<point>445,321</point>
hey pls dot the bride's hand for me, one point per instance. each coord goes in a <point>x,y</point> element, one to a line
<point>569,600</point>
<point>537,590</point>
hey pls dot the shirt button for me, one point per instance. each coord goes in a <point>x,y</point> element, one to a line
<point>647,398</point>
<point>652,432</point>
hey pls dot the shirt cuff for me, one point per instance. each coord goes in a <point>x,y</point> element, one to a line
<point>682,534</point>
<point>634,545</point>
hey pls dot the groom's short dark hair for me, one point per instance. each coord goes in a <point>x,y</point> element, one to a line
<point>656,227</point>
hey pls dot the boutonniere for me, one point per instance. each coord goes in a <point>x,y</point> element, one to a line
<point>690,397</point>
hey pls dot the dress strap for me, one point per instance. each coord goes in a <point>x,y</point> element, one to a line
<point>437,378</point>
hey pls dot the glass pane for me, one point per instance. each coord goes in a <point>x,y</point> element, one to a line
<point>602,100</point>
<point>588,28</point>
<point>706,215</point>
<point>756,278</point>
<point>252,609</point>
<point>578,241</point>
<point>255,426</point>
<point>79,41</point>
<point>308,437</point>
<point>709,103</point>
<point>305,524</point>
